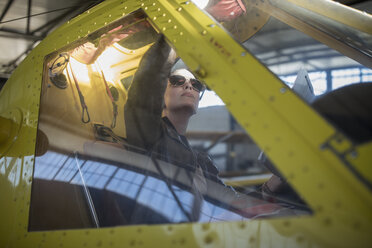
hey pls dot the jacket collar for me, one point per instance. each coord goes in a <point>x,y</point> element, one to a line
<point>172,132</point>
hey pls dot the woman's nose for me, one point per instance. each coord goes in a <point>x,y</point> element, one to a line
<point>187,85</point>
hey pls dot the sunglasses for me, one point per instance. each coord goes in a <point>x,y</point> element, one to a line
<point>178,80</point>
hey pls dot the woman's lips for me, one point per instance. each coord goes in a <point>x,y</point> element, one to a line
<point>187,94</point>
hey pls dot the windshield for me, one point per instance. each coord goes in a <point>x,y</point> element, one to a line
<point>112,149</point>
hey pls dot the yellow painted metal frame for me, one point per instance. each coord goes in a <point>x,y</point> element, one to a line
<point>289,131</point>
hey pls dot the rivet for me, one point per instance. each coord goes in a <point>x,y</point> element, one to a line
<point>354,154</point>
<point>300,239</point>
<point>321,186</point>
<point>175,27</point>
<point>204,32</point>
<point>179,9</point>
<point>142,4</point>
<point>211,25</point>
<point>164,28</point>
<point>327,221</point>
<point>153,4</point>
<point>164,14</point>
<point>109,15</point>
<point>337,204</point>
<point>169,20</point>
<point>286,223</point>
<point>323,147</point>
<point>357,225</point>
<point>181,33</point>
<point>158,9</point>
<point>205,226</point>
<point>208,239</point>
<point>283,90</point>
<point>252,239</point>
<point>339,140</point>
<point>146,8</point>
<point>154,18</point>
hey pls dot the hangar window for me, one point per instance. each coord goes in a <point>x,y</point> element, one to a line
<point>106,157</point>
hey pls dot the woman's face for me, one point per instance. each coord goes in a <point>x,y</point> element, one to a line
<point>183,96</point>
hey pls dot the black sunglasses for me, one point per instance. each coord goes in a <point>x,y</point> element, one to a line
<point>178,80</point>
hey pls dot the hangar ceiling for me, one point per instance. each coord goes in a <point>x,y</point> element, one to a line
<point>24,23</point>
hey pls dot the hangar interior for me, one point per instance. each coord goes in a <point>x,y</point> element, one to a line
<point>291,55</point>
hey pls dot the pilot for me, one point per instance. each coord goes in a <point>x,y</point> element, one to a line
<point>157,112</point>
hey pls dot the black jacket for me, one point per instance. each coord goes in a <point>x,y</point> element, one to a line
<point>146,129</point>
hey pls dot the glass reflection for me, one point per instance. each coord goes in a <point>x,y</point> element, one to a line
<point>94,165</point>
<point>122,195</point>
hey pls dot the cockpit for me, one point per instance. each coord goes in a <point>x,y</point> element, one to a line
<point>82,150</point>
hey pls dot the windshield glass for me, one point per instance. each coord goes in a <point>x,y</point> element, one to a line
<point>121,141</point>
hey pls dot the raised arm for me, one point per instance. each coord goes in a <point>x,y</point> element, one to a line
<point>144,106</point>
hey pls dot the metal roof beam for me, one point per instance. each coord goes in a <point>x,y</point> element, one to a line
<point>10,2</point>
<point>28,16</point>
<point>52,22</point>
<point>11,33</point>
<point>59,18</point>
